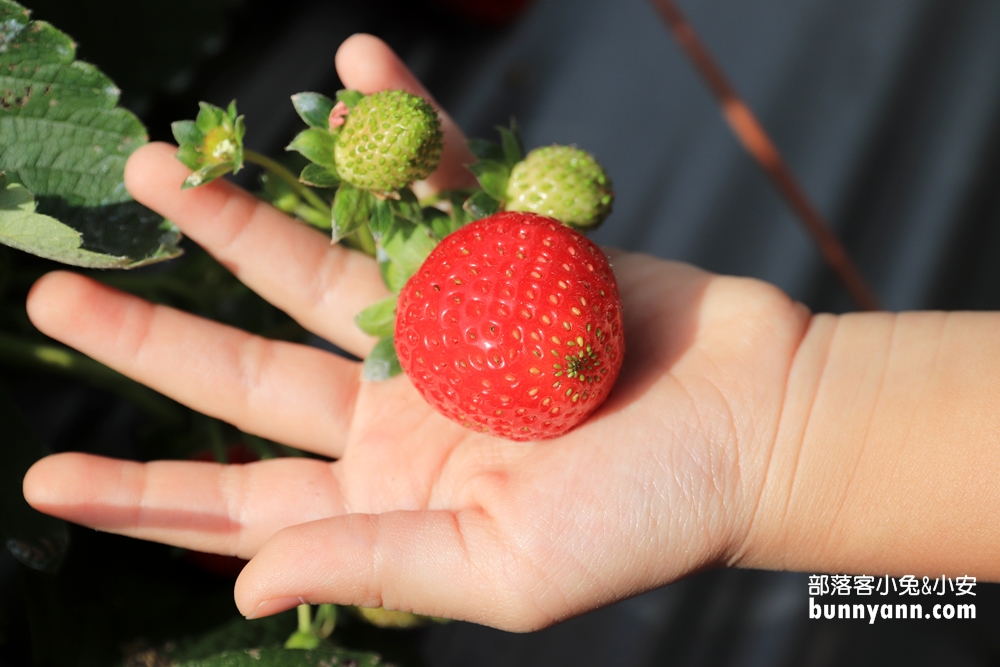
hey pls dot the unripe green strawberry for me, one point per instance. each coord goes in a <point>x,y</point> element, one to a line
<point>562,182</point>
<point>388,140</point>
<point>513,327</point>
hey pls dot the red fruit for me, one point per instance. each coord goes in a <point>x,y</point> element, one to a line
<point>512,327</point>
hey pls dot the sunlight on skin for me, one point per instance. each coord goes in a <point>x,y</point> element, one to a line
<point>692,462</point>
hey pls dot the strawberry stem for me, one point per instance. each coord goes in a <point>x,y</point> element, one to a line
<point>284,174</point>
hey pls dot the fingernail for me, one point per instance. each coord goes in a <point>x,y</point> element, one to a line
<point>275,606</point>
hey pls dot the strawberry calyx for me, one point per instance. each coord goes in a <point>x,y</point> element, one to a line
<point>211,145</point>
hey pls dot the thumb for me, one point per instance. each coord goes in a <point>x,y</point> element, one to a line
<point>437,563</point>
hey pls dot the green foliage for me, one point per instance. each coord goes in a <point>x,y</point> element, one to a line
<point>64,140</point>
<point>378,319</point>
<point>314,109</point>
<point>211,145</point>
<point>402,250</point>
<point>270,657</point>
<point>492,176</point>
<point>382,362</point>
<point>316,144</point>
<point>37,540</point>
<point>23,228</point>
<point>351,209</point>
<point>350,97</point>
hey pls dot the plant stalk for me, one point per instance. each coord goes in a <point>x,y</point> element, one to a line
<point>284,174</point>
<point>756,141</point>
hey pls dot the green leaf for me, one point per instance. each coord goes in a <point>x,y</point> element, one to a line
<point>349,97</point>
<point>316,145</point>
<point>23,228</point>
<point>513,147</point>
<point>351,208</point>
<point>382,363</point>
<point>485,150</point>
<point>37,540</point>
<point>480,205</point>
<point>378,319</point>
<point>314,109</point>
<point>402,251</point>
<point>324,656</point>
<point>63,138</point>
<point>319,176</point>
<point>492,176</point>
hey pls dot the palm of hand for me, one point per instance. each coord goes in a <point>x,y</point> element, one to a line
<point>418,513</point>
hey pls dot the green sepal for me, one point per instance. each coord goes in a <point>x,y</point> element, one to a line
<point>209,117</point>
<point>513,146</point>
<point>493,176</point>
<point>186,132</point>
<point>350,97</point>
<point>382,217</point>
<point>314,109</point>
<point>401,251</point>
<point>441,223</point>
<point>189,156</point>
<point>206,175</point>
<point>351,208</point>
<point>407,207</point>
<point>378,319</point>
<point>319,176</point>
<point>316,145</point>
<point>382,362</point>
<point>457,198</point>
<point>480,205</point>
<point>484,149</point>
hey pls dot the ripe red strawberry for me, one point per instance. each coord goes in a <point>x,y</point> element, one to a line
<point>513,327</point>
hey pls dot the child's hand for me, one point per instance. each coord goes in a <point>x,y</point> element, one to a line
<point>418,513</point>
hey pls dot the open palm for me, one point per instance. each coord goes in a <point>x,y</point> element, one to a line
<point>416,512</point>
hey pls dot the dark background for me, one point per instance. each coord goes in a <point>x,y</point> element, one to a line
<point>887,112</point>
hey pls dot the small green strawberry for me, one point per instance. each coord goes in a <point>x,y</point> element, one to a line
<point>388,140</point>
<point>562,182</point>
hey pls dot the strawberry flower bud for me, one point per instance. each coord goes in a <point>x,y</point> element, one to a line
<point>212,145</point>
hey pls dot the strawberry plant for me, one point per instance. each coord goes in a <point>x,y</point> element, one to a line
<point>64,145</point>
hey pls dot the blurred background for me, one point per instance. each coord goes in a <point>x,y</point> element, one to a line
<point>888,112</point>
